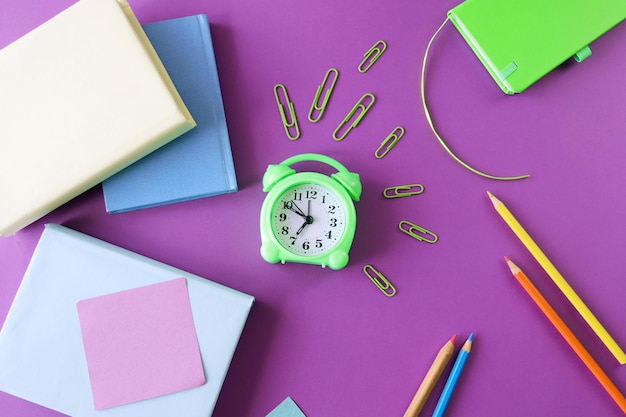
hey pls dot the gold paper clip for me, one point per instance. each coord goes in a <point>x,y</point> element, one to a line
<point>395,135</point>
<point>316,106</point>
<point>403,190</point>
<point>292,122</point>
<point>372,55</point>
<point>425,235</point>
<point>358,106</point>
<point>379,279</point>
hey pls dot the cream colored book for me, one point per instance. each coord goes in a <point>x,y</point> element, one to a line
<point>83,96</point>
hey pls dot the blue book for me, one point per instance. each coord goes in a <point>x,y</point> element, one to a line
<point>199,163</point>
<point>42,354</point>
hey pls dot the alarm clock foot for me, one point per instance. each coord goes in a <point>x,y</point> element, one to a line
<point>338,260</point>
<point>270,253</point>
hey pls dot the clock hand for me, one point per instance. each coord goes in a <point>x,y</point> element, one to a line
<point>296,209</point>
<point>301,228</point>
<point>307,220</point>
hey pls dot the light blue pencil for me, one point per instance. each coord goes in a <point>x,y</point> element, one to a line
<point>454,377</point>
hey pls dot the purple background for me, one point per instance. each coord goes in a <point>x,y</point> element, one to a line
<point>330,339</point>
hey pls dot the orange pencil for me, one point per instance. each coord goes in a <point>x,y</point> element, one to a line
<point>567,334</point>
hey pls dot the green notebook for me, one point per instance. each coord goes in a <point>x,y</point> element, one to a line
<point>520,41</point>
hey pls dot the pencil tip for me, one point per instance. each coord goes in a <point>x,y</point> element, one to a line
<point>467,346</point>
<point>506,258</point>
<point>494,200</point>
<point>514,268</point>
<point>453,339</point>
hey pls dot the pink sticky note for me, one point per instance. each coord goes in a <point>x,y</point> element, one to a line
<point>140,343</point>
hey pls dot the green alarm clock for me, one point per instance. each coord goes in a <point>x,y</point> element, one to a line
<point>309,217</point>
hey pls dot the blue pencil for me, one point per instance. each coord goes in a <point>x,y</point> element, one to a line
<point>454,377</point>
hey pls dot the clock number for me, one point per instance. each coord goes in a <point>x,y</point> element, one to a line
<point>333,222</point>
<point>285,230</point>
<point>323,199</point>
<point>305,245</point>
<point>329,235</point>
<point>282,217</point>
<point>331,209</point>
<point>297,196</point>
<point>311,195</point>
<point>293,239</point>
<point>288,205</point>
<point>318,243</point>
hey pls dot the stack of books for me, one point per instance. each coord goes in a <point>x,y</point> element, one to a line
<point>87,94</point>
<point>92,96</point>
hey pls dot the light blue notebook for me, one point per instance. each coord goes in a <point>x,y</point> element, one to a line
<point>199,163</point>
<point>287,408</point>
<point>42,358</point>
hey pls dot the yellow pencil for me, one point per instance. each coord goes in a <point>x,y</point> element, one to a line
<point>558,279</point>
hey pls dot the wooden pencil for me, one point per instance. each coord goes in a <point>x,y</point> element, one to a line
<point>453,378</point>
<point>431,378</point>
<point>558,279</point>
<point>567,334</point>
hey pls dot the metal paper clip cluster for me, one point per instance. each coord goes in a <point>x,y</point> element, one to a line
<point>389,142</point>
<point>379,279</point>
<point>417,232</point>
<point>316,111</point>
<point>372,55</point>
<point>290,123</point>
<point>316,106</point>
<point>403,190</point>
<point>348,120</point>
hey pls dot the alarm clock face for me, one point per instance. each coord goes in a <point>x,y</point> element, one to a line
<point>309,219</point>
